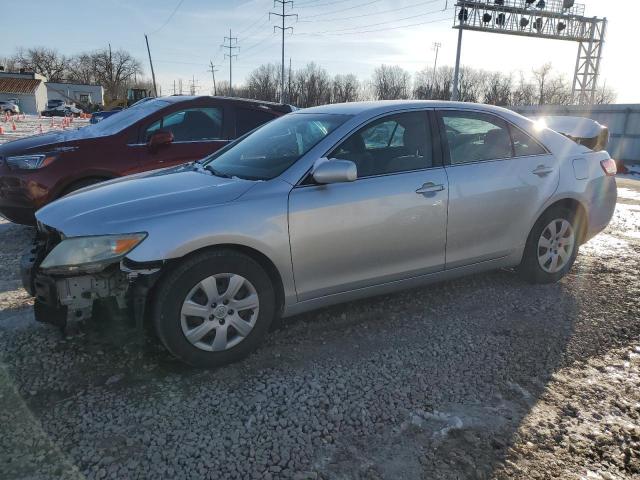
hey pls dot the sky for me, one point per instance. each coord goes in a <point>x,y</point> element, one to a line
<point>343,36</point>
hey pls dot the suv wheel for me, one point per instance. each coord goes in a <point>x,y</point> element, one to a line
<point>552,247</point>
<point>214,308</point>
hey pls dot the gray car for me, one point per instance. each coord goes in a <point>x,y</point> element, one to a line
<point>321,206</point>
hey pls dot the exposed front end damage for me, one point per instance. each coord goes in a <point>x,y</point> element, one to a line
<point>61,298</point>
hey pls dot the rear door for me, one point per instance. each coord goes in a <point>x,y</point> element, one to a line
<point>499,177</point>
<point>198,131</point>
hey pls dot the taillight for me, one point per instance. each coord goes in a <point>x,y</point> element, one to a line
<point>609,167</point>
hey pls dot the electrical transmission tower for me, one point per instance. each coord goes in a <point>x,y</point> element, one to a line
<point>213,70</point>
<point>284,28</point>
<point>233,45</point>
<point>554,19</point>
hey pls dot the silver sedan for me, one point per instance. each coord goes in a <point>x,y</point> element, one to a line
<point>321,206</point>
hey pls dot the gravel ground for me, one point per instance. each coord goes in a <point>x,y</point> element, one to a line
<point>482,377</point>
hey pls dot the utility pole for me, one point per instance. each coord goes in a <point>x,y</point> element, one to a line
<point>213,71</point>
<point>179,86</point>
<point>289,92</point>
<point>153,75</point>
<point>283,28</point>
<point>174,87</point>
<point>233,44</point>
<point>455,94</point>
<point>192,89</point>
<point>436,47</point>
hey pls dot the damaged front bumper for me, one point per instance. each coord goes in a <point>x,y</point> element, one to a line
<point>61,298</point>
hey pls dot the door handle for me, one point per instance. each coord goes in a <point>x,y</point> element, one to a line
<point>542,170</point>
<point>430,187</point>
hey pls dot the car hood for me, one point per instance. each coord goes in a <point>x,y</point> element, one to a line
<point>44,142</point>
<point>124,204</point>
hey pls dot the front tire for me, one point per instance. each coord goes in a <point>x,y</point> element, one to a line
<point>552,246</point>
<point>214,308</point>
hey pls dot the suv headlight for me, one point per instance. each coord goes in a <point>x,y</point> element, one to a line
<point>29,162</point>
<point>90,254</point>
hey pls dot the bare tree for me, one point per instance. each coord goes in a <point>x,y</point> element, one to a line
<point>605,95</point>
<point>82,68</point>
<point>345,88</point>
<point>116,71</point>
<point>263,83</point>
<point>311,86</point>
<point>42,60</point>
<point>498,89</point>
<point>9,64</point>
<point>391,83</point>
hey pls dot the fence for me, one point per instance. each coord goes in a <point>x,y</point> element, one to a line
<point>623,122</point>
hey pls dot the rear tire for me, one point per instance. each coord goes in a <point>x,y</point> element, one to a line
<point>552,246</point>
<point>193,308</point>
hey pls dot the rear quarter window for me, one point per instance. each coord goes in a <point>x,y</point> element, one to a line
<point>247,119</point>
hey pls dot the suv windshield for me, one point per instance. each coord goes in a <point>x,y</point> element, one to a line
<point>117,123</point>
<point>269,150</point>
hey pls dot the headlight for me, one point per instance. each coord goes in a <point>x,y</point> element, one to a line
<point>30,162</point>
<point>90,254</point>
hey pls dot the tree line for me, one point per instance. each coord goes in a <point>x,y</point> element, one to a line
<point>115,70</point>
<point>312,85</point>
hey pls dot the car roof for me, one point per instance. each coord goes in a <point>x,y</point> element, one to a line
<point>388,106</point>
<point>279,107</point>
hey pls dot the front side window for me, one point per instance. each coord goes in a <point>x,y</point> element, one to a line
<point>398,143</point>
<point>272,148</point>
<point>476,137</point>
<point>190,125</point>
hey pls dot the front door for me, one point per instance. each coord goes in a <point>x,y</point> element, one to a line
<point>197,132</point>
<point>387,225</point>
<point>499,177</point>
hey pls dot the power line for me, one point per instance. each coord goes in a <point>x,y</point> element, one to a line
<point>168,19</point>
<point>335,19</point>
<point>257,44</point>
<point>371,2</point>
<point>379,29</point>
<point>386,22</point>
<point>250,27</point>
<point>313,4</point>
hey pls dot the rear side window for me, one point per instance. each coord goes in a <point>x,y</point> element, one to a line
<point>248,119</point>
<point>476,137</point>
<point>524,145</point>
<point>190,125</point>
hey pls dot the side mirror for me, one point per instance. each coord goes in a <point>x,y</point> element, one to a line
<point>159,139</point>
<point>334,171</point>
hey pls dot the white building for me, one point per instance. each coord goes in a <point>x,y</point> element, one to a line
<point>76,93</point>
<point>27,89</point>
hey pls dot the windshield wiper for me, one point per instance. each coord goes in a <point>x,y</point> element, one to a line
<point>217,173</point>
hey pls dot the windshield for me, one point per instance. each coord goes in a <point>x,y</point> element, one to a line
<point>269,150</point>
<point>116,123</point>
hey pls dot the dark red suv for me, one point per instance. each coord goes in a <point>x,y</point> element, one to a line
<point>154,134</point>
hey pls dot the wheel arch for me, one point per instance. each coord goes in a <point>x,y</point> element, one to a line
<point>573,205</point>
<point>67,187</point>
<point>259,257</point>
